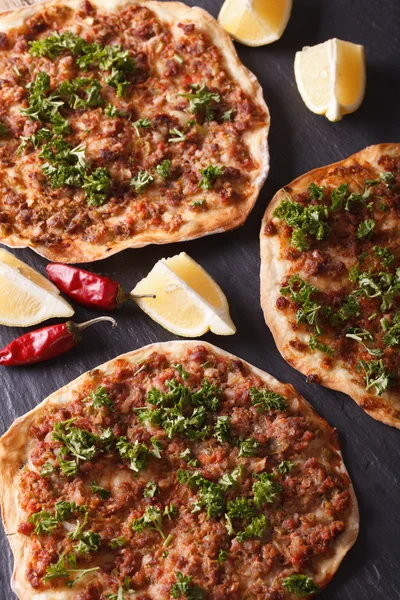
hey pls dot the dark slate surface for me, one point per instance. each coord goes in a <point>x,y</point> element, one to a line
<point>299,141</point>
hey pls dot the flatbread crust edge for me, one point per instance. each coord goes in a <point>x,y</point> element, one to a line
<point>202,224</point>
<point>273,271</point>
<point>13,453</point>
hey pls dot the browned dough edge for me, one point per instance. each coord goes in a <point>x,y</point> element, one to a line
<point>273,270</point>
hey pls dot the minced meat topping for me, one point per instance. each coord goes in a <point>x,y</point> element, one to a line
<point>182,480</point>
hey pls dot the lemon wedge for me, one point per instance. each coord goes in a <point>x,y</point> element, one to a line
<point>331,77</point>
<point>26,297</point>
<point>255,22</point>
<point>188,301</point>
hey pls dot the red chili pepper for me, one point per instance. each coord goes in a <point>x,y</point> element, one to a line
<point>89,289</point>
<point>45,343</point>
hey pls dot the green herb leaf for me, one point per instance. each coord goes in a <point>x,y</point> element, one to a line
<point>229,480</point>
<point>112,111</point>
<point>285,467</point>
<point>362,335</point>
<point>209,175</point>
<point>3,130</point>
<point>265,489</point>
<point>72,92</point>
<point>157,447</point>
<point>99,491</point>
<point>184,374</point>
<point>178,136</point>
<point>300,292</point>
<point>136,453</point>
<point>151,519</point>
<point>100,398</point>
<point>47,469</point>
<point>241,508</point>
<point>202,100</point>
<point>185,587</point>
<point>365,228</point>
<point>44,522</point>
<point>257,528</point>
<point>228,115</point>
<point>249,447</point>
<point>141,181</point>
<point>141,124</point>
<point>338,196</point>
<point>299,585</point>
<point>222,556</point>
<point>316,192</point>
<point>375,376</point>
<point>306,221</point>
<point>392,335</point>
<point>117,542</point>
<point>315,344</point>
<point>164,169</point>
<point>385,256</point>
<point>267,400</point>
<point>151,490</point>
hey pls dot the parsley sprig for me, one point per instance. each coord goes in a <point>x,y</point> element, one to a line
<point>375,376</point>
<point>300,585</point>
<point>184,587</point>
<point>267,400</point>
<point>202,101</point>
<point>302,293</point>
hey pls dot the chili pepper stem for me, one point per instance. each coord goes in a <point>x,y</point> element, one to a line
<point>81,326</point>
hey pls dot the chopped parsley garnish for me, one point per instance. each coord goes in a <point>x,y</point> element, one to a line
<point>43,106</point>
<point>99,491</point>
<point>316,192</point>
<point>385,256</point>
<point>222,428</point>
<point>315,344</point>
<point>184,374</point>
<point>107,58</point>
<point>118,596</point>
<point>201,101</point>
<point>136,453</point>
<point>3,130</point>
<point>184,587</point>
<point>152,519</point>
<point>241,508</point>
<point>164,169</point>
<point>211,495</point>
<point>44,522</point>
<point>100,398</point>
<point>229,480</point>
<point>97,186</point>
<point>64,568</point>
<point>267,400</point>
<point>178,59</point>
<point>80,444</point>
<point>151,490</point>
<point>198,203</point>
<point>365,228</point>
<point>186,455</point>
<point>117,542</point>
<point>306,221</point>
<point>228,115</point>
<point>375,376</point>
<point>257,527</point>
<point>209,175</point>
<point>361,336</point>
<point>338,196</point>
<point>141,124</point>
<point>387,178</point>
<point>36,139</point>
<point>249,447</point>
<point>47,469</point>
<point>392,335</point>
<point>178,136</point>
<point>72,91</point>
<point>285,467</point>
<point>157,447</point>
<point>300,585</point>
<point>350,307</point>
<point>265,489</point>
<point>381,285</point>
<point>112,111</point>
<point>222,556</point>
<point>141,181</point>
<point>300,292</point>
